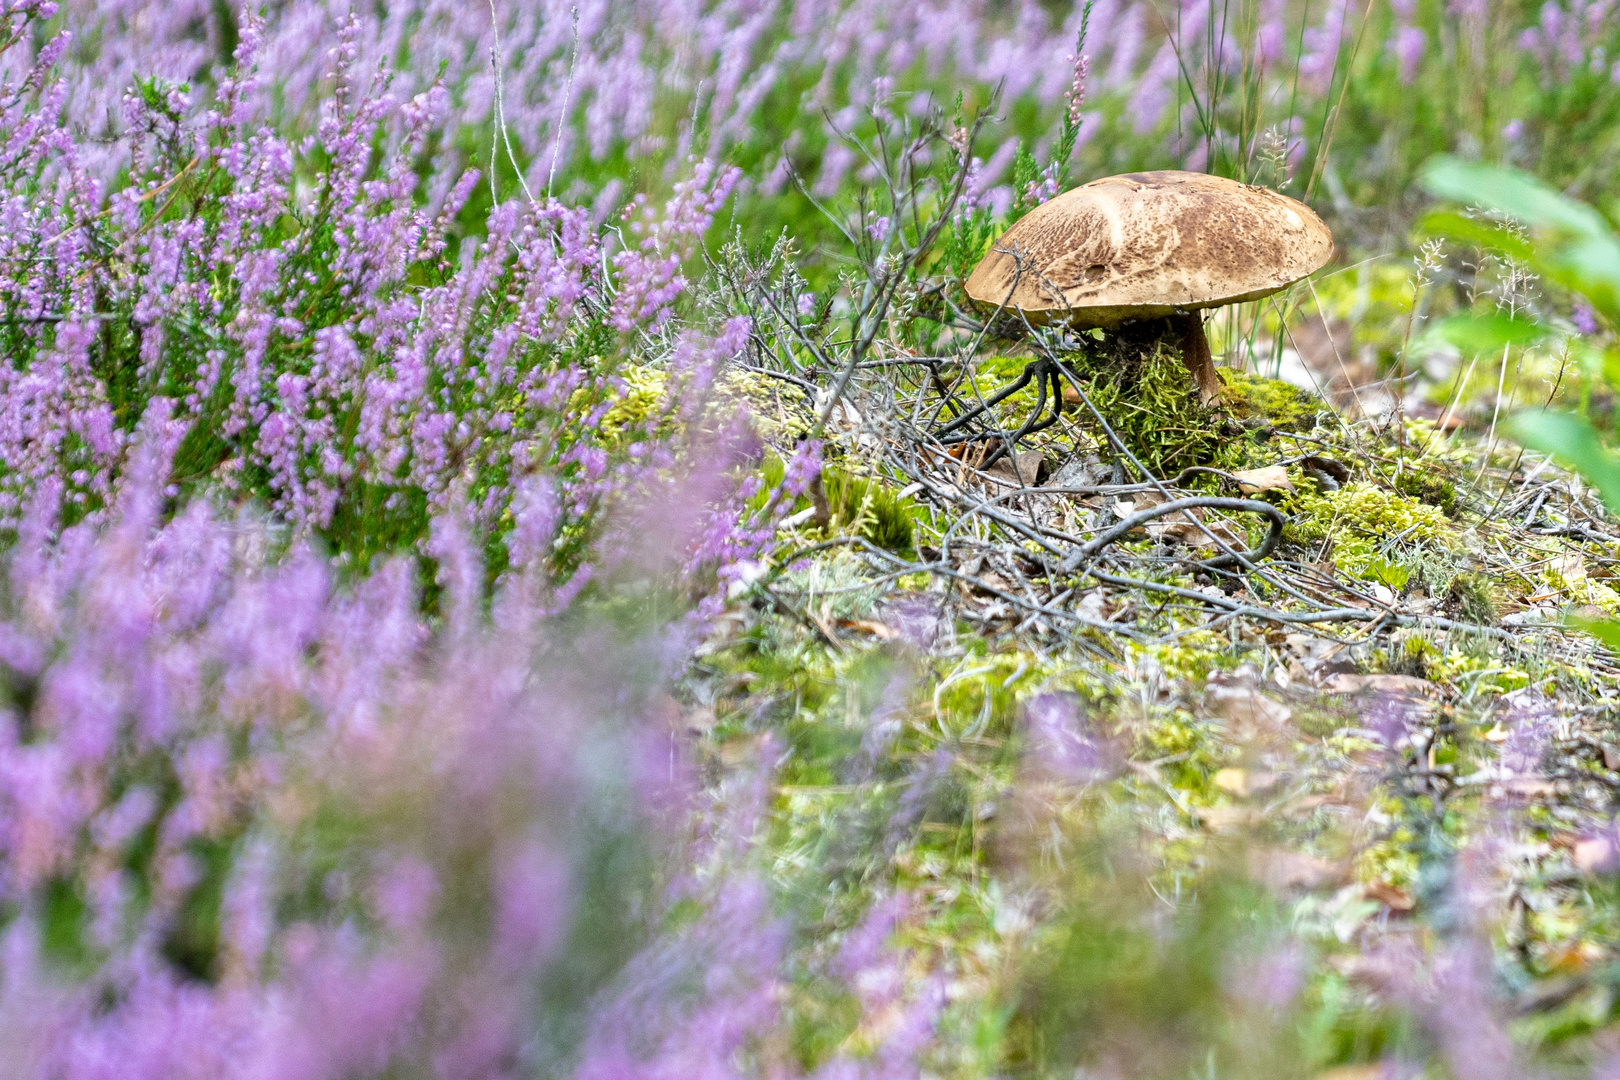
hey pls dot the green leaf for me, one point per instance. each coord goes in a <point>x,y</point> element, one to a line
<point>1575,443</point>
<point>1392,574</point>
<point>1605,630</point>
<point>1508,191</point>
<point>1476,231</point>
<point>1486,333</point>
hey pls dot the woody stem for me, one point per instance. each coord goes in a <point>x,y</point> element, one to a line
<point>1195,354</point>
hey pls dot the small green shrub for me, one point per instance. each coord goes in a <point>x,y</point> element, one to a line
<point>1473,597</point>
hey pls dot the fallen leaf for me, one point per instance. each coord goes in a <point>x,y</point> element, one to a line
<point>1245,782</point>
<point>1185,526</point>
<point>1399,685</point>
<point>1266,478</point>
<point>867,626</point>
<point>1336,471</point>
<point>1391,897</point>
<point>1031,469</point>
<point>1497,734</point>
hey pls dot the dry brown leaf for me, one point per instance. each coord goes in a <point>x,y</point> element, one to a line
<point>1185,526</point>
<point>867,626</point>
<point>1391,897</point>
<point>1266,478</point>
<point>1245,782</point>
<point>1400,685</point>
<point>1031,469</point>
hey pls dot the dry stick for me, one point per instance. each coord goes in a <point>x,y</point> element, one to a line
<point>1331,615</point>
<point>1142,517</point>
<point>1118,442</point>
<point>568,89</point>
<point>1113,437</point>
<point>939,567</point>
<point>875,304</point>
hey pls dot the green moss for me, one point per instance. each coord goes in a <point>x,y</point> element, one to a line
<point>868,507</point>
<point>1373,533</point>
<point>1272,403</point>
<point>1150,402</point>
<point>1428,487</point>
<point>1474,597</point>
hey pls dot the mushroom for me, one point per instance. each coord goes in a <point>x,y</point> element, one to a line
<point>1152,246</point>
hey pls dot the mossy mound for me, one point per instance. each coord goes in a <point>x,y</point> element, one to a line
<point>1148,398</point>
<point>870,508</point>
<point>1144,391</point>
<point>1429,487</point>
<point>1259,402</point>
<point>1378,535</point>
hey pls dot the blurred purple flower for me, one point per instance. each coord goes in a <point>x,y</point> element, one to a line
<point>1061,744</point>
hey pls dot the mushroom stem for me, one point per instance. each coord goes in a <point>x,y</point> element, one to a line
<point>1196,355</point>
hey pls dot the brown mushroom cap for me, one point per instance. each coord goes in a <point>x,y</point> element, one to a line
<point>1144,245</point>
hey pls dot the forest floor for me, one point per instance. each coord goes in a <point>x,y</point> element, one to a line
<point>1388,732</point>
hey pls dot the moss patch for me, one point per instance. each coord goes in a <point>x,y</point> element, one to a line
<point>1259,401</point>
<point>1375,534</point>
<point>869,508</point>
<point>1148,398</point>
